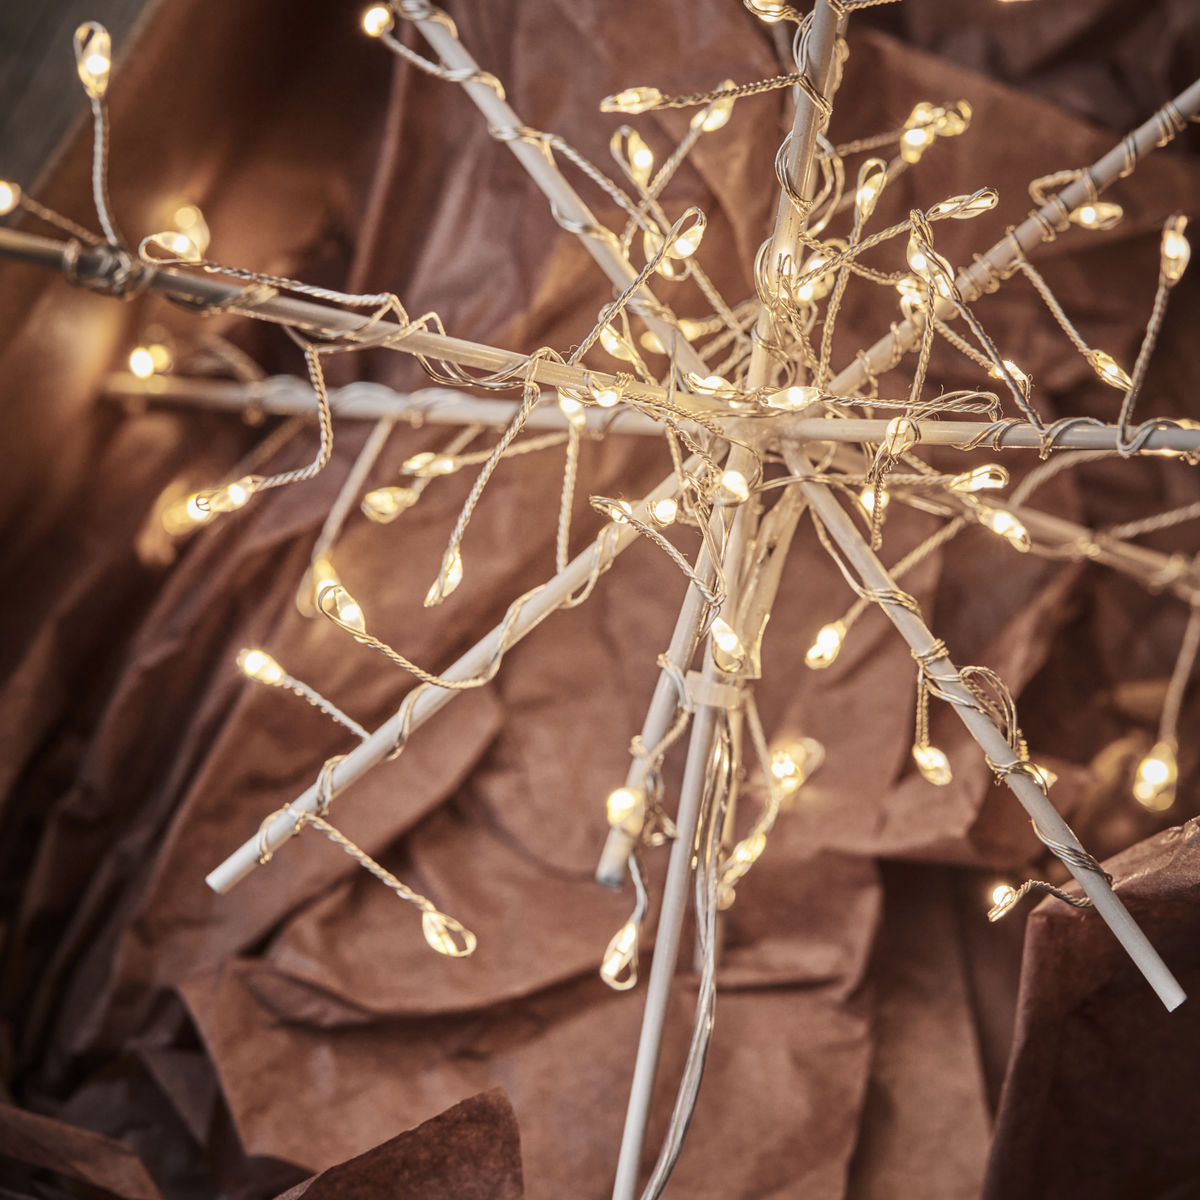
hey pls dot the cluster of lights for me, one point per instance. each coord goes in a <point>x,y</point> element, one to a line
<point>927,122</point>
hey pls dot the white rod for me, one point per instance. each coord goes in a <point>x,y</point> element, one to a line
<point>288,395</point>
<point>916,633</point>
<point>382,741</point>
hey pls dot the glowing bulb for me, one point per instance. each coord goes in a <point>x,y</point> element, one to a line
<point>1175,247</point>
<point>445,935</point>
<point>1045,776</point>
<point>93,58</point>
<point>616,345</point>
<point>872,176</point>
<point>607,397</point>
<point>184,515</point>
<point>664,511</point>
<point>572,409</point>
<point>1008,527</point>
<point>651,341</point>
<point>619,966</point>
<point>141,362</point>
<point>386,503</point>
<point>322,575</point>
<point>826,646</point>
<point>10,197</point>
<point>933,764</point>
<point>686,242</point>
<point>931,267</point>
<point>716,115</point>
<point>189,220</point>
<point>428,463</point>
<point>641,158</point>
<point>1157,774</point>
<point>980,479</point>
<point>258,664</point>
<point>790,399</point>
<point>632,100</point>
<point>735,486</point>
<point>708,385</point>
<point>626,809</point>
<point>1106,367</point>
<point>749,850</point>
<point>620,511</point>
<point>915,142</point>
<point>341,608</point>
<point>447,581</point>
<point>1100,215</point>
<point>963,208</point>
<point>377,21</point>
<point>228,498</point>
<point>652,244</point>
<point>178,246</point>
<point>902,434</point>
<point>768,11</point>
<point>792,765</point>
<point>1003,898</point>
<point>1014,373</point>
<point>727,650</point>
<point>867,499</point>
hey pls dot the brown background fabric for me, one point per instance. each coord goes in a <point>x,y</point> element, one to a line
<point>871,1037</point>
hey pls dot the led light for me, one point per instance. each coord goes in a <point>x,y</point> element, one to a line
<point>1106,367</point>
<point>691,329</point>
<point>664,511</point>
<point>616,344</point>
<point>607,397</point>
<point>1175,247</point>
<point>1014,373</point>
<point>963,208</point>
<point>931,266</point>
<point>183,516</point>
<point>768,11</point>
<point>872,177</point>
<point>93,58</point>
<point>819,285</point>
<point>632,100</point>
<point>626,808</point>
<point>1099,215</point>
<point>793,764</point>
<point>686,242</point>
<point>980,479</point>
<point>933,764</point>
<point>1008,527</point>
<point>377,21</point>
<point>914,143</point>
<point>1003,898</point>
<point>428,463</point>
<point>141,362</point>
<point>902,434</point>
<point>748,851</point>
<point>258,664</point>
<point>226,499</point>
<point>1045,776</point>
<point>709,385</point>
<point>177,246</point>
<point>10,197</point>
<point>620,511</point>
<point>189,220</point>
<point>735,486</point>
<point>447,582</point>
<point>322,575</point>
<point>641,158</point>
<point>1156,777</point>
<point>445,935</point>
<point>727,650</point>
<point>341,608</point>
<point>867,499</point>
<point>618,968</point>
<point>652,244</point>
<point>386,503</point>
<point>716,115</point>
<point>790,399</point>
<point>826,646</point>
<point>572,409</point>
<point>650,341</point>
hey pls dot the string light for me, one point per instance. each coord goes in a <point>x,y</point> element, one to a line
<point>1101,214</point>
<point>933,764</point>
<point>794,764</point>
<point>1003,897</point>
<point>618,968</point>
<point>872,178</point>
<point>258,664</point>
<point>616,344</point>
<point>572,409</point>
<point>793,398</point>
<point>341,608</point>
<point>1002,522</point>
<point>728,652</point>
<point>626,808</point>
<point>10,197</point>
<point>1015,373</point>
<point>385,504</point>
<point>716,115</point>
<point>448,579</point>
<point>1156,777</point>
<point>1106,367</point>
<point>735,486</point>
<point>228,498</point>
<point>377,20</point>
<point>988,477</point>
<point>902,435</point>
<point>428,462</point>
<point>93,58</point>
<point>827,645</point>
<point>664,511</point>
<point>190,222</point>
<point>1176,250</point>
<point>607,397</point>
<point>148,360</point>
<point>866,498</point>
<point>964,208</point>
<point>631,101</point>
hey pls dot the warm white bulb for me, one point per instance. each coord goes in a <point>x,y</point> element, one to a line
<point>447,582</point>
<point>933,764</point>
<point>626,809</point>
<point>385,504</point>
<point>867,499</point>
<point>1008,527</point>
<point>10,197</point>
<point>1156,777</point>
<point>631,100</point>
<point>1176,250</point>
<point>664,511</point>
<point>827,645</point>
<point>736,486</point>
<point>258,664</point>
<point>728,652</point>
<point>1109,370</point>
<point>377,20</point>
<point>141,362</point>
<point>790,399</point>
<point>606,397</point>
<point>979,479</point>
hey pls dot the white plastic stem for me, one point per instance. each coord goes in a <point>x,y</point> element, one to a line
<point>916,633</point>
<point>380,744</point>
